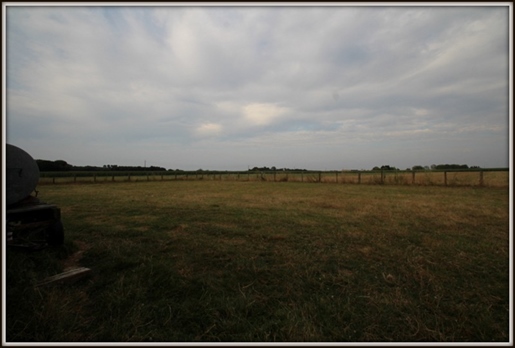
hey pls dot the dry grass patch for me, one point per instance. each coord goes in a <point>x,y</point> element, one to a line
<point>181,261</point>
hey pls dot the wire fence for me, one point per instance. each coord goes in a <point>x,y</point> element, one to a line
<point>486,177</point>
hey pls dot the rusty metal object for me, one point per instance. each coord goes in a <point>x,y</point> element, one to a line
<point>30,223</point>
<point>22,174</point>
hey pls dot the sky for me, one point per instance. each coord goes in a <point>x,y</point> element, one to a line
<point>234,87</point>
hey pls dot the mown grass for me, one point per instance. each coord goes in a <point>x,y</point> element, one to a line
<point>209,261</point>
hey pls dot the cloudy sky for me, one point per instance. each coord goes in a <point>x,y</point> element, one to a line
<point>225,88</point>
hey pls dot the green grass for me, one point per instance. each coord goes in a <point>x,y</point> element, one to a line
<point>210,261</point>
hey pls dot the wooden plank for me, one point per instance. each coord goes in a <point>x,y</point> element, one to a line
<point>67,276</point>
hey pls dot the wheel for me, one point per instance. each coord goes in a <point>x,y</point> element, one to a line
<point>55,234</point>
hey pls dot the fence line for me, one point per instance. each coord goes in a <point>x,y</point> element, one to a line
<point>484,177</point>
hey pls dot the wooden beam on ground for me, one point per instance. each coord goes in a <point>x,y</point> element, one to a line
<point>68,276</point>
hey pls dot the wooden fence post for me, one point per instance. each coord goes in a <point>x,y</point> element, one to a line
<point>481,183</point>
<point>94,178</point>
<point>74,177</point>
<point>413,177</point>
<point>274,176</point>
<point>129,178</point>
<point>336,177</point>
<point>112,178</point>
<point>359,177</point>
<point>382,176</point>
<point>301,177</point>
<point>319,176</point>
<point>53,180</point>
<point>445,178</point>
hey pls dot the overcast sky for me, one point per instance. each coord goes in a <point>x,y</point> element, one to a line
<point>225,88</point>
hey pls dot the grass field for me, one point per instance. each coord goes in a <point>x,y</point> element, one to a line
<point>211,261</point>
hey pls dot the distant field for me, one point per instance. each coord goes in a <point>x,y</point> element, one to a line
<point>489,178</point>
<point>237,261</point>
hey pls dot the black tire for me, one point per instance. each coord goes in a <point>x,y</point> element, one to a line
<point>55,234</point>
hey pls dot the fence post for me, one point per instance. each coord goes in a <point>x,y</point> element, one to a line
<point>382,176</point>
<point>274,176</point>
<point>359,177</point>
<point>129,178</point>
<point>94,178</point>
<point>74,177</point>
<point>336,177</point>
<point>445,178</point>
<point>319,176</point>
<point>301,177</point>
<point>481,178</point>
<point>112,178</point>
<point>53,180</point>
<point>413,177</point>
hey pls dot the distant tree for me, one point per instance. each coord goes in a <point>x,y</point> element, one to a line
<point>387,167</point>
<point>452,166</point>
<point>417,168</point>
<point>53,166</point>
<point>62,165</point>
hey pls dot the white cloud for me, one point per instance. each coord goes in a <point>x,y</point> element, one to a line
<point>208,129</point>
<point>263,113</point>
<point>301,78</point>
<point>228,107</point>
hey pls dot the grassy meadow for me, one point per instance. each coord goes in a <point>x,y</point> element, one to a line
<point>237,261</point>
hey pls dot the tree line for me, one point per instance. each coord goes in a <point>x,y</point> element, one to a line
<point>274,169</point>
<point>63,166</point>
<point>432,167</point>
